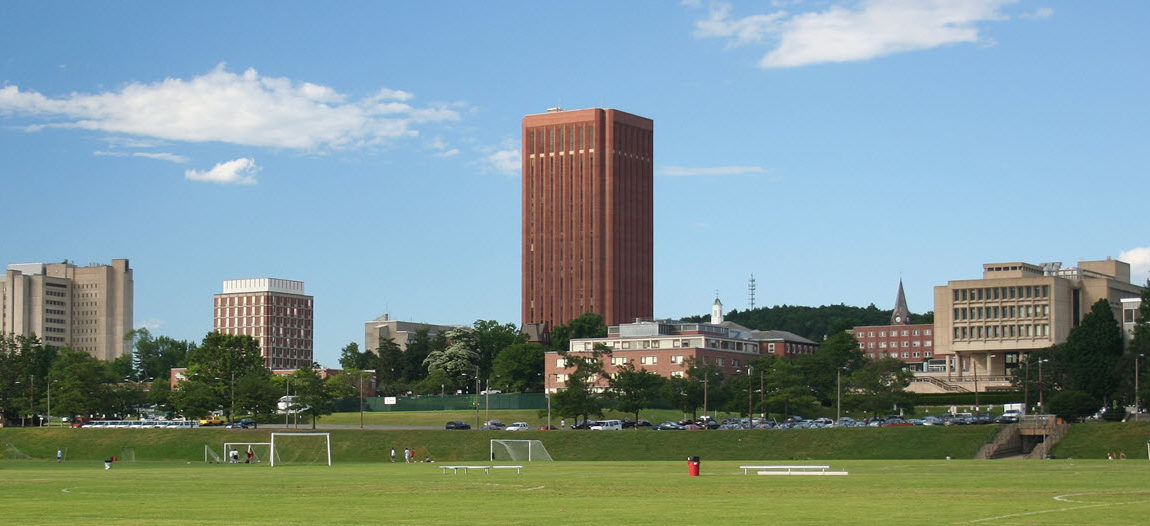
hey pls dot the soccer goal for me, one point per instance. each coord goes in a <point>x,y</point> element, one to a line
<point>304,448</point>
<point>259,450</point>
<point>519,450</point>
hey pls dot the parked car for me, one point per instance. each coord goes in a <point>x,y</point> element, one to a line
<point>243,423</point>
<point>493,425</point>
<point>669,426</point>
<point>608,425</point>
<point>457,424</point>
<point>585,424</point>
<point>517,426</point>
<point>546,428</point>
<point>211,421</point>
<point>1010,416</point>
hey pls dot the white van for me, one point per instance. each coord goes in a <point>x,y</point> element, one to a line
<point>608,425</point>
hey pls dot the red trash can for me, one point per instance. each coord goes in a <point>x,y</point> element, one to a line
<point>693,466</point>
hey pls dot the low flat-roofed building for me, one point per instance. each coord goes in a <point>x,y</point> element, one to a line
<point>984,328</point>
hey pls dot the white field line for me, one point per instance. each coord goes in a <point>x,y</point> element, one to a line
<point>1059,498</point>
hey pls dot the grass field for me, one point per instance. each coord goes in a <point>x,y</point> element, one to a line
<point>876,492</point>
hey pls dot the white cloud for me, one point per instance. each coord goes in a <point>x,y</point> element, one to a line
<point>1039,14</point>
<point>239,171</point>
<point>160,156</point>
<point>151,325</point>
<point>238,108</point>
<point>1139,260</point>
<point>679,171</point>
<point>448,153</point>
<point>863,31</point>
<point>505,161</point>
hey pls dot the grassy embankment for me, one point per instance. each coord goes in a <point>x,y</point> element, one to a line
<point>356,445</point>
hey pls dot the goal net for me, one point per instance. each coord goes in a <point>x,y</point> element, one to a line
<point>519,451</point>
<point>299,448</point>
<point>247,452</point>
<point>11,452</point>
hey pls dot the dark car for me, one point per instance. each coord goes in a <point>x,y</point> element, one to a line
<point>585,424</point>
<point>243,423</point>
<point>669,426</point>
<point>456,424</point>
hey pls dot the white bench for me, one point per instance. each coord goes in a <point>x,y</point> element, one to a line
<point>455,469</point>
<point>791,470</point>
<point>486,469</point>
<point>518,469</point>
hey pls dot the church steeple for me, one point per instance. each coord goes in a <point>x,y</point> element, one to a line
<point>717,311</point>
<point>901,314</point>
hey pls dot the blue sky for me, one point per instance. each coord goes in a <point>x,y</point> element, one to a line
<point>370,149</point>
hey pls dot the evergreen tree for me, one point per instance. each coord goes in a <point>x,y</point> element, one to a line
<point>1092,353</point>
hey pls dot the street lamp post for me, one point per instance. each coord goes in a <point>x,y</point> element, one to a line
<point>705,382</point>
<point>838,394</point>
<point>360,399</point>
<point>50,403</point>
<point>547,387</point>
<point>750,403</point>
<point>1041,407</point>
<point>1137,399</point>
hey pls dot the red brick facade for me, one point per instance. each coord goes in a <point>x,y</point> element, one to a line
<point>912,344</point>
<point>587,216</point>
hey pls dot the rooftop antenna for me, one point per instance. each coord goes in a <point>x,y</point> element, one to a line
<point>751,291</point>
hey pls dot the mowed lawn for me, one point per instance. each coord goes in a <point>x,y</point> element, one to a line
<point>876,492</point>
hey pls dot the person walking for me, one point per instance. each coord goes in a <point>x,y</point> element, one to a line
<point>393,455</point>
<point>59,455</point>
<point>406,455</point>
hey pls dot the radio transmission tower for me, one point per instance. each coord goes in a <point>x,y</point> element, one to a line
<point>751,291</point>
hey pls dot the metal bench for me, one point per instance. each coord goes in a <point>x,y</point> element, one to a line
<point>486,469</point>
<point>455,469</point>
<point>791,470</point>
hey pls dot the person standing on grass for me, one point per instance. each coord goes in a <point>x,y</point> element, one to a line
<point>393,455</point>
<point>59,455</point>
<point>406,455</point>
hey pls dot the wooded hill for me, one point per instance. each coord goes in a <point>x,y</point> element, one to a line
<point>813,323</point>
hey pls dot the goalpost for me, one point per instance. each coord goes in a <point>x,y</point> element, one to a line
<point>519,450</point>
<point>245,447</point>
<point>273,455</point>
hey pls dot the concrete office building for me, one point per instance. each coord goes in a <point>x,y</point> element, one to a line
<point>587,216</point>
<point>86,308</point>
<point>984,328</point>
<point>275,312</point>
<point>401,332</point>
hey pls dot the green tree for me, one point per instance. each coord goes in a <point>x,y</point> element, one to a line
<point>81,384</point>
<point>518,368</point>
<point>1139,349</point>
<point>1092,352</point>
<point>155,357</point>
<point>218,364</point>
<point>389,366</point>
<point>351,358</point>
<point>634,390</point>
<point>1073,405</point>
<point>579,398</point>
<point>839,352</point>
<point>459,359</point>
<point>489,338</point>
<point>314,396</point>
<point>587,325</point>
<point>880,386</point>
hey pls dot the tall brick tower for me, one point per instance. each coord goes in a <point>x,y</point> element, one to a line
<point>587,216</point>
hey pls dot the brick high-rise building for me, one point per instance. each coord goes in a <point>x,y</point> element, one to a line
<point>587,216</point>
<point>275,312</point>
<point>86,308</point>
